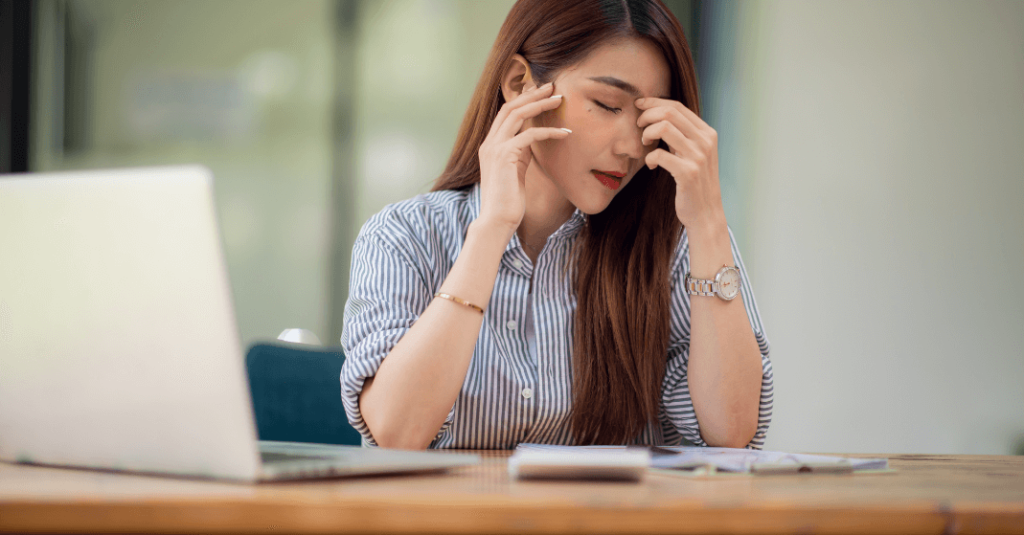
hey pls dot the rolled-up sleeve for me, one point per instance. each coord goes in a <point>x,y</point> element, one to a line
<point>675,389</point>
<point>387,294</point>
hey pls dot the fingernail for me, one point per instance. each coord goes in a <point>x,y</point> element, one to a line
<point>639,102</point>
<point>555,96</point>
<point>566,129</point>
<point>547,85</point>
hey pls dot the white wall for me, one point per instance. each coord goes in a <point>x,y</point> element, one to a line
<point>883,156</point>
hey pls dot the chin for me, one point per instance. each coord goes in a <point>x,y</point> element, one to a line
<point>592,202</point>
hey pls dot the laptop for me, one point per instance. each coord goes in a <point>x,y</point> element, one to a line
<point>118,343</point>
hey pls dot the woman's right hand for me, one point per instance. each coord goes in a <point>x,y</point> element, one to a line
<point>505,155</point>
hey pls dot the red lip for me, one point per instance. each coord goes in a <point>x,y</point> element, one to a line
<point>611,181</point>
<point>611,173</point>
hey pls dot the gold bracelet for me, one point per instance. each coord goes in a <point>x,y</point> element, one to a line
<point>459,301</point>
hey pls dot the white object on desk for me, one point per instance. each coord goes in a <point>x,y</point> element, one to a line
<point>618,464</point>
<point>299,336</point>
<point>736,460</point>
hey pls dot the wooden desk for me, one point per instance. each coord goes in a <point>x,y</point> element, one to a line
<point>927,494</point>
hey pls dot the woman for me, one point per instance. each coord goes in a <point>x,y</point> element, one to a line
<point>539,293</point>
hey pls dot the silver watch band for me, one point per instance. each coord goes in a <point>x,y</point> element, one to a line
<point>704,287</point>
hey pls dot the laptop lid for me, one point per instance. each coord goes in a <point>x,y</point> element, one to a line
<point>118,342</point>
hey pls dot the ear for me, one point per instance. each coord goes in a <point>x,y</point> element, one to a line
<point>517,78</point>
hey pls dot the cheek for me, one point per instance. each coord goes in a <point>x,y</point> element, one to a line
<point>576,117</point>
<point>574,113</point>
<point>583,115</point>
<point>567,157</point>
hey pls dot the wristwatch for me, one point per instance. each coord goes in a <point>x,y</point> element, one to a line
<point>726,284</point>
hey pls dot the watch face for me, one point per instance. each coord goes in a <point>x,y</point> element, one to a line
<point>729,283</point>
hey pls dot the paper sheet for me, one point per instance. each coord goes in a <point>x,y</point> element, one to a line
<point>735,460</point>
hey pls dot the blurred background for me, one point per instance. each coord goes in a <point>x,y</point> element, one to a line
<point>871,162</point>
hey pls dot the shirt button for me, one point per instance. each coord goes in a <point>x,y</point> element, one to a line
<point>527,393</point>
<point>517,264</point>
<point>511,325</point>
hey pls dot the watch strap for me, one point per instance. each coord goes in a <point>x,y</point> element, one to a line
<point>703,287</point>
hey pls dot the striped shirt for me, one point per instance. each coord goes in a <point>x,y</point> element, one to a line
<point>518,387</point>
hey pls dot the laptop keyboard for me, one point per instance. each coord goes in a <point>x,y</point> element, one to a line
<point>276,457</point>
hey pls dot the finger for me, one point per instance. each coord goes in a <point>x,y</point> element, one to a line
<point>528,136</point>
<point>529,95</point>
<point>667,132</point>
<point>681,121</point>
<point>653,102</point>
<point>526,96</point>
<point>514,122</point>
<point>678,167</point>
<point>667,113</point>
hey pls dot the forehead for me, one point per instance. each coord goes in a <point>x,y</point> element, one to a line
<point>635,61</point>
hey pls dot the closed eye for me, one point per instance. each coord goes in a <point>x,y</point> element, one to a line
<point>608,108</point>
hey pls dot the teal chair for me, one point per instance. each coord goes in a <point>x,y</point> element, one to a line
<point>296,394</point>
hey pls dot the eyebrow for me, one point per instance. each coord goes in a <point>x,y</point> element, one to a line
<point>620,84</point>
<point>615,82</point>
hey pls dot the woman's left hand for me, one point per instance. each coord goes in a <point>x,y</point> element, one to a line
<point>692,160</point>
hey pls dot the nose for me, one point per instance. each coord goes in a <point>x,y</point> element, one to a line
<point>627,142</point>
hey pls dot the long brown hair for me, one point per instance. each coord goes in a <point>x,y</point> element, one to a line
<point>623,255</point>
